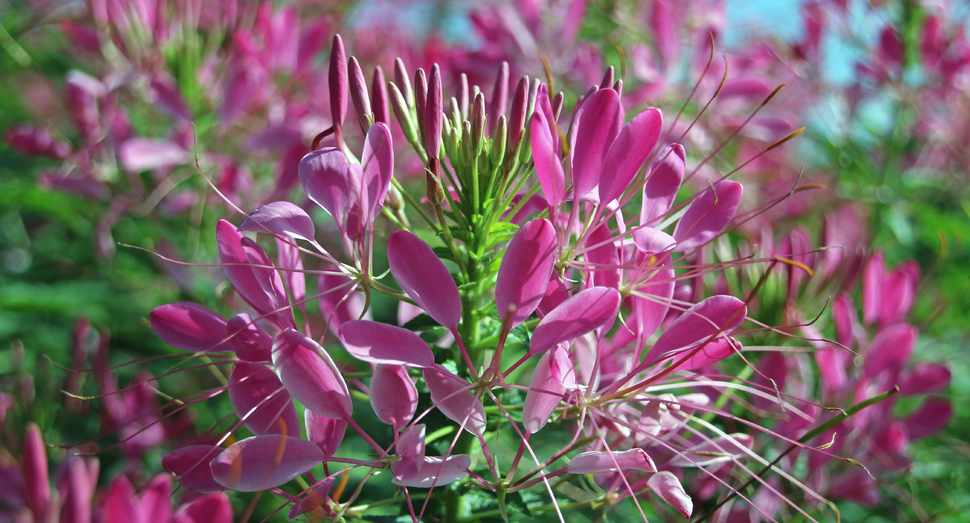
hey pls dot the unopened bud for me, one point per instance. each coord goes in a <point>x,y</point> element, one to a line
<point>358,94</point>
<point>379,104</point>
<point>499,137</point>
<point>618,87</point>
<point>435,113</point>
<point>402,113</point>
<point>607,78</point>
<point>500,94</point>
<point>463,98</point>
<point>520,107</point>
<point>421,100</point>
<point>338,86</point>
<point>478,124</point>
<point>402,81</point>
<point>533,91</point>
<point>393,200</point>
<point>557,105</point>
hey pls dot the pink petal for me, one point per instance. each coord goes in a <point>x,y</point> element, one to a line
<point>628,152</point>
<point>595,126</point>
<point>708,354</point>
<point>424,278</point>
<point>291,264</point>
<point>191,327</point>
<point>668,487</point>
<point>263,462</point>
<point>377,165</point>
<point>393,395</point>
<point>604,260</point>
<point>410,448</point>
<point>271,284</point>
<point>651,311</point>
<point>191,466</point>
<point>282,219</point>
<point>932,416</point>
<point>524,273</point>
<point>602,462</point>
<point>339,305</point>
<point>556,293</point>
<point>435,471</point>
<point>156,499</point>
<point>250,384</point>
<point>144,154</point>
<point>924,378</point>
<point>251,283</point>
<point>715,315</point>
<point>554,374</point>
<point>717,451</point>
<point>164,93</point>
<point>846,321</point>
<point>211,508</point>
<point>310,375</point>
<point>653,241</point>
<point>331,182</point>
<point>382,343</point>
<point>325,433</point>
<point>831,367</point>
<point>119,505</point>
<point>313,500</point>
<point>585,312</point>
<point>890,349</point>
<point>708,215</point>
<point>76,485</point>
<point>545,150</point>
<point>873,277</point>
<point>461,406</point>
<point>35,472</point>
<point>898,293</point>
<point>250,342</point>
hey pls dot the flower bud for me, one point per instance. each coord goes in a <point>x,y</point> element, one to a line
<point>421,102</point>
<point>435,113</point>
<point>402,113</point>
<point>379,104</point>
<point>499,137</point>
<point>401,79</point>
<point>338,86</point>
<point>463,97</point>
<point>500,93</point>
<point>607,78</point>
<point>478,124</point>
<point>520,107</point>
<point>358,94</point>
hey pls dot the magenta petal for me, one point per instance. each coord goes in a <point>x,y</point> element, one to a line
<point>263,462</point>
<point>717,451</point>
<point>76,483</point>
<point>424,278</point>
<point>932,416</point>
<point>708,215</point>
<point>544,138</point>
<point>603,258</point>
<point>191,327</point>
<point>556,293</point>
<point>652,306</point>
<point>846,321</point>
<point>873,277</point>
<point>35,472</point>
<point>145,154</point>
<point>831,368</point>
<point>524,273</point>
<point>461,406</point>
<point>410,448</point>
<point>663,183</point>
<point>585,312</point>
<point>628,152</point>
<point>708,354</point>
<point>715,315</point>
<point>326,433</point>
<point>191,466</point>
<point>337,80</point>
<point>314,499</point>
<point>595,126</point>
<point>311,376</point>
<point>668,487</point>
<point>377,166</point>
<point>382,343</point>
<point>119,505</point>
<point>282,219</point>
<point>554,374</point>
<point>393,395</point>
<point>156,499</point>
<point>602,462</point>
<point>250,386</point>
<point>331,182</point>
<point>250,342</point>
<point>653,241</point>
<point>260,287</point>
<point>211,508</point>
<point>435,471</point>
<point>890,349</point>
<point>924,378</point>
